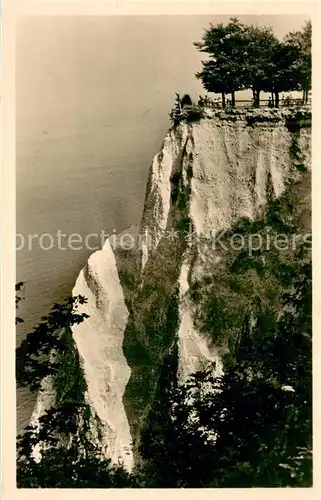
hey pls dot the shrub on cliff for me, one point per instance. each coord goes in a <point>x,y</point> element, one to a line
<point>186,100</point>
<point>193,114</point>
<point>185,111</point>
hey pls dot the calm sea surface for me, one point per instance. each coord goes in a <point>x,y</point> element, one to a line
<point>80,184</point>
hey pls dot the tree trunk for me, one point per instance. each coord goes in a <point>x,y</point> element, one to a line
<point>253,92</point>
<point>272,99</point>
<point>223,99</point>
<point>305,96</point>
<point>256,98</point>
<point>277,99</point>
<point>233,99</point>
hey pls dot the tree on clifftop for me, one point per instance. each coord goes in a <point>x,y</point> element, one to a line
<point>283,71</point>
<point>238,55</point>
<point>251,57</point>
<point>300,41</point>
<point>260,43</point>
<point>224,72</point>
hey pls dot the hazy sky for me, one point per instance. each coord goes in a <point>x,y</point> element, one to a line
<point>79,74</point>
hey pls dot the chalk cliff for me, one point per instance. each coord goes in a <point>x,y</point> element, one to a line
<point>206,176</point>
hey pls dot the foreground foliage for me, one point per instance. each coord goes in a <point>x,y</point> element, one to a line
<point>250,427</point>
<point>68,457</point>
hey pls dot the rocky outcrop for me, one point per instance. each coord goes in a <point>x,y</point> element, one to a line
<point>99,341</point>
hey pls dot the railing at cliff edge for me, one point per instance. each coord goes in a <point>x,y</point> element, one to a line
<point>264,103</point>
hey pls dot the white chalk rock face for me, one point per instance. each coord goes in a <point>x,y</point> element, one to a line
<point>194,349</point>
<point>231,170</point>
<point>99,341</point>
<point>158,192</point>
<point>233,165</point>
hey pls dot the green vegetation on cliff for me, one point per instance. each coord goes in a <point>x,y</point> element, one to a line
<point>151,327</point>
<point>252,427</point>
<point>259,260</point>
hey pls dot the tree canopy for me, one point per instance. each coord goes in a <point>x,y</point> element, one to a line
<point>251,57</point>
<point>300,41</point>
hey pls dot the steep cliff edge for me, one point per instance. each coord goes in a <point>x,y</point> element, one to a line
<point>147,289</point>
